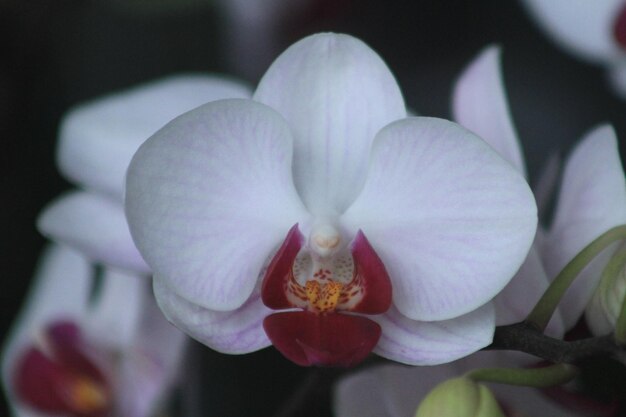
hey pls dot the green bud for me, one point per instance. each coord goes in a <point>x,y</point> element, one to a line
<point>459,397</point>
<point>606,304</point>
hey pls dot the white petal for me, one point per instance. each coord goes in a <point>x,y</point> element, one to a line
<point>583,27</point>
<point>238,331</point>
<point>363,395</point>
<point>388,390</point>
<point>94,225</point>
<point>60,290</point>
<point>99,138</point>
<point>335,93</point>
<point>210,196</point>
<point>431,343</point>
<point>150,365</point>
<point>115,313</point>
<point>450,219</point>
<point>480,105</point>
<point>592,200</point>
<point>399,390</point>
<point>521,294</point>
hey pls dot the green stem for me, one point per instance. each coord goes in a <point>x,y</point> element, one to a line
<point>537,377</point>
<point>545,307</point>
<point>620,325</point>
<point>607,287</point>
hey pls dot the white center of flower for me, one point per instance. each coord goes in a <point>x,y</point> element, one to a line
<point>323,274</point>
<point>324,240</point>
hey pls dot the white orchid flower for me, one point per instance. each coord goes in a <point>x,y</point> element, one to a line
<point>592,30</point>
<point>76,352</point>
<point>320,197</point>
<point>96,143</point>
<point>592,197</point>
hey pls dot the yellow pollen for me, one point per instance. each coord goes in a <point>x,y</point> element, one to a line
<point>323,297</point>
<point>87,395</point>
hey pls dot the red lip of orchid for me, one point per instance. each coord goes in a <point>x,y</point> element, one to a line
<point>325,286</point>
<point>60,377</point>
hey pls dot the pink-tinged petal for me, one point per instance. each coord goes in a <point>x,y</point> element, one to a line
<point>399,390</point>
<point>238,331</point>
<point>114,317</point>
<point>450,219</point>
<point>532,281</point>
<point>335,93</point>
<point>395,391</point>
<point>150,366</point>
<point>94,225</point>
<point>363,395</point>
<point>479,104</point>
<point>98,139</point>
<point>322,339</point>
<point>210,197</point>
<point>534,402</point>
<point>434,342</point>
<point>372,276</point>
<point>275,281</point>
<point>592,200</point>
<point>60,291</point>
<point>585,28</point>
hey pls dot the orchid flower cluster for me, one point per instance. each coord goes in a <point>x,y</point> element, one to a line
<point>316,215</point>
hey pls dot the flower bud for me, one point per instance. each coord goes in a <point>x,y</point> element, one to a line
<point>605,305</point>
<point>459,397</point>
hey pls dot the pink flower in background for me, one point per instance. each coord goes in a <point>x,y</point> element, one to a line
<point>320,197</point>
<point>592,30</point>
<point>80,350</point>
<point>591,200</point>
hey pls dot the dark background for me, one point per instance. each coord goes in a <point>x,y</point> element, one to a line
<point>54,54</point>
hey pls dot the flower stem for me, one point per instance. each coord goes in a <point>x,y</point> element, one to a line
<point>620,325</point>
<point>537,377</point>
<point>606,289</point>
<point>545,307</point>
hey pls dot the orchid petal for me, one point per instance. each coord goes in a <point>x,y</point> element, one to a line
<point>387,390</point>
<point>592,200</point>
<point>583,27</point>
<point>480,105</point>
<point>334,339</point>
<point>150,366</point>
<point>238,331</point>
<point>94,225</point>
<point>399,390</point>
<point>210,196</point>
<point>363,394</point>
<point>60,290</point>
<point>98,139</point>
<point>532,281</point>
<point>450,219</point>
<point>336,93</point>
<point>431,343</point>
<point>114,316</point>
<point>279,270</point>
